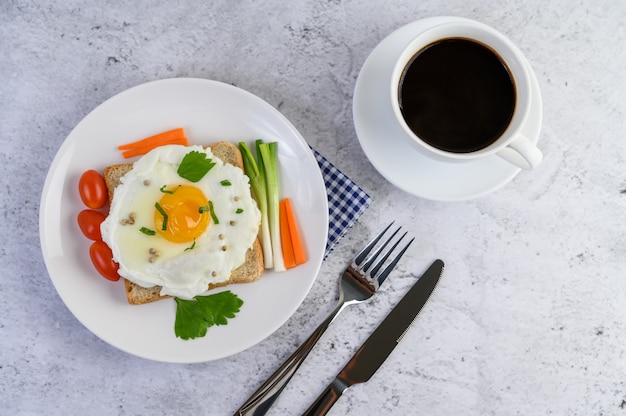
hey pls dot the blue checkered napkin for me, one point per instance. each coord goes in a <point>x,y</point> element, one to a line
<point>346,201</point>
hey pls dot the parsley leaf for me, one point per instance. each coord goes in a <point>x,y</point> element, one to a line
<point>194,166</point>
<point>194,317</point>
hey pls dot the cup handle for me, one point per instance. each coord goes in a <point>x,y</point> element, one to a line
<point>522,153</point>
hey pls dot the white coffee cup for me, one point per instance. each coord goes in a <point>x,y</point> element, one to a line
<point>511,145</point>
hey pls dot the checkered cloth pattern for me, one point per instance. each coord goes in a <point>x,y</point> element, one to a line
<point>346,201</point>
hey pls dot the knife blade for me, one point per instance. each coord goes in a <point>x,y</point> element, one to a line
<point>381,342</point>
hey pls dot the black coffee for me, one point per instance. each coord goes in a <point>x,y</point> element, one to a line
<point>457,95</point>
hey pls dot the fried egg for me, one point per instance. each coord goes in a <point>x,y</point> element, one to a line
<point>165,230</point>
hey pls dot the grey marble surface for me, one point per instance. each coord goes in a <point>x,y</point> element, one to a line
<point>530,318</point>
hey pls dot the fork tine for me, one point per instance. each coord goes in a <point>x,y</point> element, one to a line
<point>374,256</point>
<point>370,260</point>
<point>390,267</point>
<point>366,250</point>
<point>380,262</point>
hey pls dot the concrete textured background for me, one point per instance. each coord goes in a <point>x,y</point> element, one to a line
<point>531,316</point>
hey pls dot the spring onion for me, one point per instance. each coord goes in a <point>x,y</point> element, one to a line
<point>147,231</point>
<point>257,181</point>
<point>212,212</point>
<point>268,154</point>
<point>163,213</point>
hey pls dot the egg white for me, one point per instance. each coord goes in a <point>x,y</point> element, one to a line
<point>179,269</point>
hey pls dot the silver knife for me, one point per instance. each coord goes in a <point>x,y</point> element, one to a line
<point>383,340</point>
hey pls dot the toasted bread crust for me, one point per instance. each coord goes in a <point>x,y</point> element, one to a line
<point>252,268</point>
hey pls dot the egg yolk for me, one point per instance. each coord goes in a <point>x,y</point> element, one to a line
<point>187,213</point>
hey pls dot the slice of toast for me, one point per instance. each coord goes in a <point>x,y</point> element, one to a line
<point>252,268</point>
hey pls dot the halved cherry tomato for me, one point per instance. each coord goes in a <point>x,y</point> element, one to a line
<point>93,189</point>
<point>89,222</point>
<point>102,259</point>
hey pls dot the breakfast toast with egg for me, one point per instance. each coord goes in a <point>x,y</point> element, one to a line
<point>251,269</point>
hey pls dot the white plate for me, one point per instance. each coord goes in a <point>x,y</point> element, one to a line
<point>394,157</point>
<point>209,111</point>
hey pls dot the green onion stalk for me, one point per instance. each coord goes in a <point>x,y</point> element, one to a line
<point>269,155</point>
<point>257,182</point>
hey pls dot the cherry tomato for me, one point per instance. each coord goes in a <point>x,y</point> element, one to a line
<point>93,189</point>
<point>89,222</point>
<point>102,259</point>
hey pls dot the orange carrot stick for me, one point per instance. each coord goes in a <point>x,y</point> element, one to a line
<point>137,151</point>
<point>156,140</point>
<point>298,249</point>
<point>285,237</point>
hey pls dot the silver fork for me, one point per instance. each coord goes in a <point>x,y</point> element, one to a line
<point>358,283</point>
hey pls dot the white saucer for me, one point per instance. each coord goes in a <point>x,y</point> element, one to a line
<point>393,156</point>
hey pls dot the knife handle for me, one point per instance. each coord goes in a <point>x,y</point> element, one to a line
<point>327,399</point>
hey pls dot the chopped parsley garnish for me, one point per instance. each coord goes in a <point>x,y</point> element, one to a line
<point>213,216</point>
<point>162,212</point>
<point>165,191</point>
<point>147,231</point>
<point>194,317</point>
<point>194,166</point>
<point>191,247</point>
<point>225,182</point>
<point>203,208</point>
<point>239,211</point>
